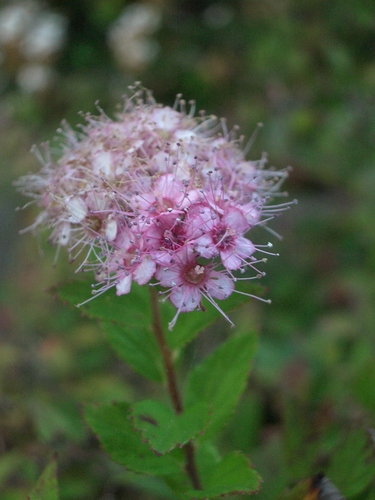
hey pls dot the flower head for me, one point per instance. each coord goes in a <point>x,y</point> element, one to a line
<point>156,195</point>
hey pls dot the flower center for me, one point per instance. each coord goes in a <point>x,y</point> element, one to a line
<point>94,223</point>
<point>167,203</point>
<point>224,237</point>
<point>195,275</point>
<point>173,238</point>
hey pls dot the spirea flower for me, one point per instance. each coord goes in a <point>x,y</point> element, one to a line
<point>157,196</point>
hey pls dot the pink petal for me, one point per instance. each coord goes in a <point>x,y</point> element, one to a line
<point>200,220</point>
<point>123,239</point>
<point>111,230</point>
<point>186,298</point>
<point>169,188</point>
<point>252,212</point>
<point>205,246</point>
<point>144,271</point>
<point>77,208</point>
<point>234,219</point>
<point>168,276</point>
<point>219,285</point>
<point>244,246</point>
<point>124,285</point>
<point>153,236</point>
<point>165,118</point>
<point>230,260</point>
<point>61,234</point>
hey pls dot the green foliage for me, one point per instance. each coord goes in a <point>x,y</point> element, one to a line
<point>163,429</point>
<point>159,431</point>
<point>306,70</point>
<point>126,320</point>
<point>352,467</point>
<point>112,425</point>
<point>141,436</point>
<point>46,487</point>
<point>189,325</point>
<point>135,345</point>
<point>233,474</point>
<point>221,378</point>
<point>52,418</point>
<point>124,310</point>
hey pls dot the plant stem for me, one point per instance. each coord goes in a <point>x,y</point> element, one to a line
<point>174,394</point>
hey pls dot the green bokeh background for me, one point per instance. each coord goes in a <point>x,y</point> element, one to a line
<point>306,70</point>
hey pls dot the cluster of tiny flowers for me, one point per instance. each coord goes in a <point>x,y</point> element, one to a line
<point>157,196</point>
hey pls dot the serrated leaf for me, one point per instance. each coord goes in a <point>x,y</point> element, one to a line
<point>46,488</point>
<point>221,378</point>
<point>112,426</point>
<point>163,429</point>
<point>126,321</point>
<point>192,323</point>
<point>234,474</point>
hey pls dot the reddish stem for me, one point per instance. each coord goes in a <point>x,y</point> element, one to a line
<point>174,394</point>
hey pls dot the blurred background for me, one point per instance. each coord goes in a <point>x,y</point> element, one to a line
<point>306,70</point>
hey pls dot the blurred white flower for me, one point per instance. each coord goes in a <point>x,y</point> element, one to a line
<point>30,39</point>
<point>46,37</point>
<point>129,37</point>
<point>34,77</point>
<point>14,20</point>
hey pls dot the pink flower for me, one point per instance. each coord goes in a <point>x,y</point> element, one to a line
<point>187,281</point>
<point>168,193</point>
<point>213,234</point>
<point>121,268</point>
<point>141,271</point>
<point>166,233</point>
<point>228,238</point>
<point>156,194</point>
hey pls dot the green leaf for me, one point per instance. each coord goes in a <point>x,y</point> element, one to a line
<point>117,435</point>
<point>352,467</point>
<point>163,429</point>
<point>221,378</point>
<point>233,474</point>
<point>137,347</point>
<point>46,488</point>
<point>154,487</point>
<point>132,314</point>
<point>192,323</point>
<point>107,306</point>
<point>52,417</point>
<point>126,321</point>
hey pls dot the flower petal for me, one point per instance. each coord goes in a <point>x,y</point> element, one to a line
<point>144,271</point>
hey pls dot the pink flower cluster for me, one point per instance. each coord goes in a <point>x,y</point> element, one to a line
<point>158,196</point>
